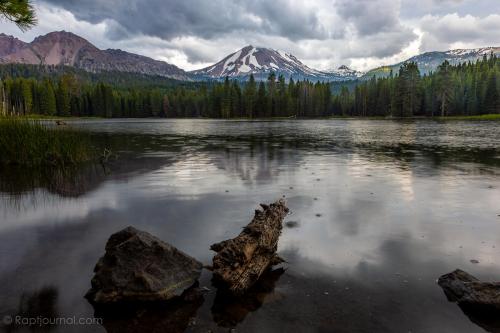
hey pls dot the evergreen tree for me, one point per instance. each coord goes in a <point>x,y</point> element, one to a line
<point>444,86</point>
<point>63,99</point>
<point>47,99</point>
<point>260,110</point>
<point>492,96</point>
<point>249,96</point>
<point>20,12</point>
<point>408,90</point>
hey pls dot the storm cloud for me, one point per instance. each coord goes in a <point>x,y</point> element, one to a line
<point>322,33</point>
<point>201,18</point>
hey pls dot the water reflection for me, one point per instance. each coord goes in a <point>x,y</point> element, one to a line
<point>173,316</point>
<point>65,183</point>
<point>38,305</point>
<point>229,311</point>
<point>381,210</point>
<point>485,317</point>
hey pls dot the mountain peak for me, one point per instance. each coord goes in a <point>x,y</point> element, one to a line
<point>345,72</point>
<point>260,61</point>
<point>61,36</point>
<point>68,49</point>
<point>10,44</point>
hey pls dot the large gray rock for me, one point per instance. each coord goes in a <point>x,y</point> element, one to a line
<point>140,267</point>
<point>464,288</point>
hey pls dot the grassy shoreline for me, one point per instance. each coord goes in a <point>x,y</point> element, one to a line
<point>490,117</point>
<point>44,117</point>
<point>31,143</point>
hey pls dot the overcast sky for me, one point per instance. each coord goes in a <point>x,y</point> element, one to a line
<point>322,33</point>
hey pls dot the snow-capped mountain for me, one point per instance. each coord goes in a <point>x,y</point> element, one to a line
<point>429,61</point>
<point>261,61</point>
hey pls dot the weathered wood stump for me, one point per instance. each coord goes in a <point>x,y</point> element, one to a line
<point>240,261</point>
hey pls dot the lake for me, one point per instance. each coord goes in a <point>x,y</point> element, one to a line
<point>379,210</point>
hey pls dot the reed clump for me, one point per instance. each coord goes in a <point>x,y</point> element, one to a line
<point>33,143</point>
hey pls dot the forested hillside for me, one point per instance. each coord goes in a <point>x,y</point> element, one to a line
<point>466,89</point>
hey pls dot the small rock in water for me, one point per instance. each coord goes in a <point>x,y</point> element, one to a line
<point>463,288</point>
<point>474,261</point>
<point>318,215</point>
<point>315,199</point>
<point>291,224</point>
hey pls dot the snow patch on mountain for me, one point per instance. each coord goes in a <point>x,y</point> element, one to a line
<point>345,71</point>
<point>429,61</point>
<point>261,61</point>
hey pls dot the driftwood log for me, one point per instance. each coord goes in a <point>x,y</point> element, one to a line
<point>240,261</point>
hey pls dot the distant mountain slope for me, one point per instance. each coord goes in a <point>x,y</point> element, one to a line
<point>261,61</point>
<point>429,61</point>
<point>345,73</point>
<point>68,49</point>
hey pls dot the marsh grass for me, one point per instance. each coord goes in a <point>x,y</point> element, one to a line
<point>478,117</point>
<point>32,143</point>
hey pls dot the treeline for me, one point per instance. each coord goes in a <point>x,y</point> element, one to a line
<point>466,89</point>
<point>463,90</point>
<point>70,96</point>
<point>119,80</point>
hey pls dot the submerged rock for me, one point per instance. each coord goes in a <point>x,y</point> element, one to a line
<point>140,267</point>
<point>463,288</point>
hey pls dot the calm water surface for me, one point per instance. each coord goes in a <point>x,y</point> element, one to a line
<point>382,209</point>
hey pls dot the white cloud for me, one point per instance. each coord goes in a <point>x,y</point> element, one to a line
<point>453,31</point>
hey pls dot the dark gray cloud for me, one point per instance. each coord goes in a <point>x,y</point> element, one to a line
<point>201,18</point>
<point>377,26</point>
<point>370,17</point>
